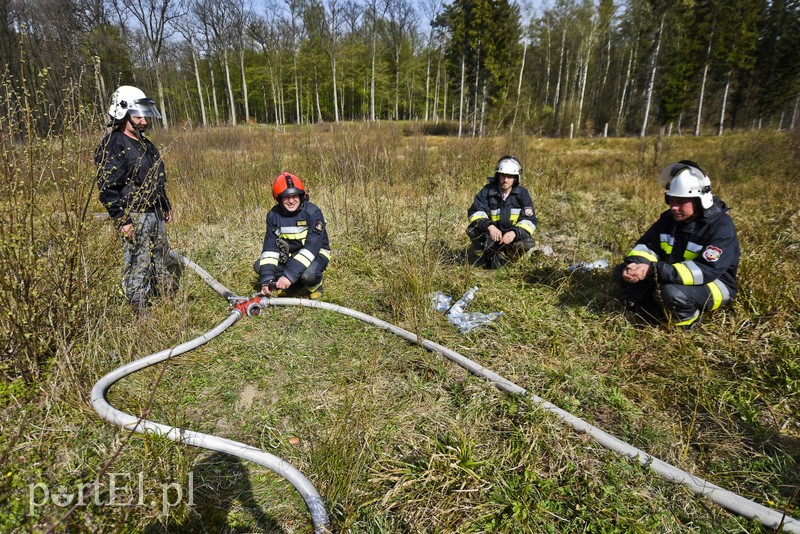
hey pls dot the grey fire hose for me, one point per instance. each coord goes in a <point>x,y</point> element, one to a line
<point>770,518</point>
<point>319,514</point>
<point>727,499</point>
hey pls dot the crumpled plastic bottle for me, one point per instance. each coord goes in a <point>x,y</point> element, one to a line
<point>467,322</point>
<point>462,303</point>
<point>440,301</point>
<point>586,266</point>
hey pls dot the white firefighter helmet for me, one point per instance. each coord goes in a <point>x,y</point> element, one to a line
<point>508,165</point>
<point>686,179</point>
<point>128,99</point>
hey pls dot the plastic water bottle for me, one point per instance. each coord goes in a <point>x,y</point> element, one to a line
<point>463,302</point>
<point>440,301</point>
<point>586,266</point>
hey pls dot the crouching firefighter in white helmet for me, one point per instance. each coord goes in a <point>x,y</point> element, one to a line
<point>132,182</point>
<point>686,263</point>
<point>501,218</point>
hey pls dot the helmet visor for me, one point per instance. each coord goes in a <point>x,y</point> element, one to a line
<point>144,107</point>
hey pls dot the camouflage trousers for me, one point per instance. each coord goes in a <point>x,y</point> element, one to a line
<point>145,257</point>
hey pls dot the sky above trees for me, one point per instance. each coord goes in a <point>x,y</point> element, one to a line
<point>557,67</point>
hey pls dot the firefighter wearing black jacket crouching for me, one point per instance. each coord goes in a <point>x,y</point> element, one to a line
<point>686,263</point>
<point>296,250</point>
<point>501,218</point>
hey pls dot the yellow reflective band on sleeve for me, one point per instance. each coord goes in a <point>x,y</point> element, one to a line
<point>269,258</point>
<point>692,250</point>
<point>642,251</point>
<point>720,294</point>
<point>716,296</point>
<point>526,225</point>
<point>325,252</point>
<point>686,275</point>
<point>478,215</point>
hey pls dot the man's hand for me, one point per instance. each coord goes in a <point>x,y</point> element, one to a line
<point>635,272</point>
<point>495,233</point>
<point>508,237</point>
<point>126,231</point>
<point>168,216</point>
<point>283,283</point>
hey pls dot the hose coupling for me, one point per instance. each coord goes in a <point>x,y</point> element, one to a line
<point>251,307</point>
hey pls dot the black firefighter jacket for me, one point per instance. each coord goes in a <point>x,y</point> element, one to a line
<point>693,253</point>
<point>516,212</point>
<point>304,231</point>
<point>130,177</point>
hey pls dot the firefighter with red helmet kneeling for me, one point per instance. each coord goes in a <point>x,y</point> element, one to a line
<point>296,250</point>
<point>501,218</point>
<point>686,263</point>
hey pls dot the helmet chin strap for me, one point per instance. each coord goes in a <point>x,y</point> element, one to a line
<point>135,128</point>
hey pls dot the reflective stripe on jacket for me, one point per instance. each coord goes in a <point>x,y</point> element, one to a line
<point>515,212</point>
<point>698,252</point>
<point>306,234</point>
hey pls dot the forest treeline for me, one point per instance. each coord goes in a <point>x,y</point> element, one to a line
<point>569,68</point>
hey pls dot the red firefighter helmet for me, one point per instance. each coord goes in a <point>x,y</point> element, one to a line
<point>288,184</point>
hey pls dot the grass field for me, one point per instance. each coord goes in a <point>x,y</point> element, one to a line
<point>394,438</point>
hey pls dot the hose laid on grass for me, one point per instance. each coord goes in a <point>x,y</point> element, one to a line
<point>319,514</point>
<point>731,501</point>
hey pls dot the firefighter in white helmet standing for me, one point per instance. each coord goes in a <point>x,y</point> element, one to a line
<point>132,182</point>
<point>686,263</point>
<point>501,218</point>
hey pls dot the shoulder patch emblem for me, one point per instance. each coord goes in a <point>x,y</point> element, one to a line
<point>712,253</point>
<point>528,211</point>
<point>318,227</point>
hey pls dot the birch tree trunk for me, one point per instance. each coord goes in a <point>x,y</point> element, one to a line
<point>214,96</point>
<point>444,96</point>
<point>230,88</point>
<point>164,120</point>
<point>557,94</point>
<point>244,88</point>
<point>477,81</point>
<point>372,80</point>
<point>296,88</point>
<point>650,86</point>
<point>199,88</point>
<point>428,76</point>
<point>335,95</point>
<point>584,70</point>
<point>724,103</point>
<point>316,97</point>
<point>624,91</point>
<point>702,91</point>
<point>548,61</point>
<point>461,100</point>
<point>483,108</point>
<point>519,84</point>
<point>436,90</point>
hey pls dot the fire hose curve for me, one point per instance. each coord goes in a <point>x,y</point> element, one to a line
<point>733,502</point>
<point>316,507</point>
